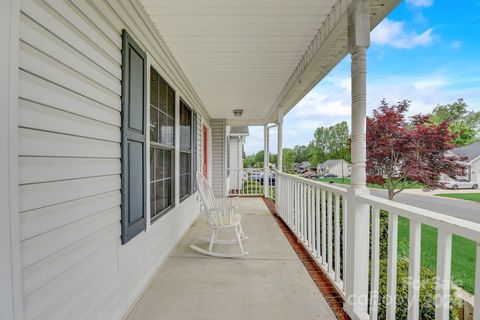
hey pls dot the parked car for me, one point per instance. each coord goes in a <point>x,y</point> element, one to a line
<point>460,184</point>
<point>330,175</point>
<point>271,179</point>
<point>310,174</point>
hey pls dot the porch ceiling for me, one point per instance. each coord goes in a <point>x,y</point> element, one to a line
<point>241,54</point>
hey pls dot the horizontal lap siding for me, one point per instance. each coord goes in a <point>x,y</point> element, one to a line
<point>74,266</point>
<point>218,157</point>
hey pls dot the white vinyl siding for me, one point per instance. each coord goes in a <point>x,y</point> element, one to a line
<point>219,157</point>
<point>236,163</point>
<point>73,263</point>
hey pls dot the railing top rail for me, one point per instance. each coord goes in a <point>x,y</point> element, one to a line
<point>458,226</point>
<point>323,185</point>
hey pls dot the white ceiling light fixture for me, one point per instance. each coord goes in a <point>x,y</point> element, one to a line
<point>237,112</point>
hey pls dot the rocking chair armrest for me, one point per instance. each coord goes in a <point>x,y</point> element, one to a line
<point>224,200</point>
<point>228,210</point>
<point>224,211</point>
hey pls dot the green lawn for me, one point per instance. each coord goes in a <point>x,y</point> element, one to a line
<point>463,253</point>
<point>370,185</point>
<point>464,196</point>
<point>463,250</point>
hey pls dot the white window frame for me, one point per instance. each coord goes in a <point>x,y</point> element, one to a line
<point>151,63</point>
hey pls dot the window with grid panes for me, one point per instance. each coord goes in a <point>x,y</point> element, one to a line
<point>162,148</point>
<point>186,150</point>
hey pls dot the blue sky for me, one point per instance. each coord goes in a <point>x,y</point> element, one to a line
<point>426,51</point>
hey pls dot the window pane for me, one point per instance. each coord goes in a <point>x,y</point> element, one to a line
<point>159,194</point>
<point>185,127</point>
<point>152,164</point>
<point>162,94</point>
<point>171,102</point>
<point>185,173</point>
<point>152,200</point>
<point>154,88</point>
<point>185,159</point>
<point>162,124</point>
<point>169,131</point>
<point>167,164</point>
<point>168,192</point>
<point>159,168</point>
<point>153,124</point>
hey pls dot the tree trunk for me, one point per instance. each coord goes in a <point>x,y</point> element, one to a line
<point>391,194</point>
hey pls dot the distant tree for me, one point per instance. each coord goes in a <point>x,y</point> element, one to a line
<point>332,142</point>
<point>288,159</point>
<point>249,161</point>
<point>401,152</point>
<point>254,160</point>
<point>274,159</point>
<point>464,124</point>
<point>301,153</point>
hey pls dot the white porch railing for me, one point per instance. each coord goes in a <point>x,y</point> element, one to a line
<point>316,213</point>
<point>249,182</point>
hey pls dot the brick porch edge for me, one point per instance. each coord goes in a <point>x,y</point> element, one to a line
<point>324,284</point>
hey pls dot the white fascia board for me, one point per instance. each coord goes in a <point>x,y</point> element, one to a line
<point>327,49</point>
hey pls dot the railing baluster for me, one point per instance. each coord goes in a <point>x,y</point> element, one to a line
<point>307,222</point>
<point>476,311</point>
<point>304,213</point>
<point>324,227</point>
<point>329,232</point>
<point>317,222</point>
<point>444,259</point>
<point>375,277</point>
<point>310,218</point>
<point>414,270</point>
<point>392,264</point>
<point>297,210</point>
<point>337,237</point>
<point>345,221</point>
<point>290,200</point>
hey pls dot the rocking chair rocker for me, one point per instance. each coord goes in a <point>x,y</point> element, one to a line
<point>220,217</point>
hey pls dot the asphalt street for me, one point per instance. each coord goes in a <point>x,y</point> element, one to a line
<point>457,208</point>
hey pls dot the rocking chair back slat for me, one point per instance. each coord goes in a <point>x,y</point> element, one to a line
<point>219,218</point>
<point>208,199</point>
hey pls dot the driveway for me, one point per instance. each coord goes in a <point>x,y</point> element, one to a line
<point>453,207</point>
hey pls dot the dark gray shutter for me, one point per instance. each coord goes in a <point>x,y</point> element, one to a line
<point>134,98</point>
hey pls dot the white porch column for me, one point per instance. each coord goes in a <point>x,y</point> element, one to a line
<point>266,160</point>
<point>280,140</point>
<point>357,213</point>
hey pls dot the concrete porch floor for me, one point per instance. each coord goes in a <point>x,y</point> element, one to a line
<point>270,283</point>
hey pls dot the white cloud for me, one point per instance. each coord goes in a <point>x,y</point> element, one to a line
<point>317,104</point>
<point>420,3</point>
<point>456,44</point>
<point>394,34</point>
<point>329,102</point>
<point>429,83</point>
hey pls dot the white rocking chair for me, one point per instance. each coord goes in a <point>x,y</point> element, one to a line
<point>220,217</point>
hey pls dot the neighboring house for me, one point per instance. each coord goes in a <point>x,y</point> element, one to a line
<point>472,155</point>
<point>301,167</point>
<point>340,168</point>
<point>236,155</point>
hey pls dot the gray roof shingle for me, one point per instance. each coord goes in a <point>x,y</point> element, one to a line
<point>471,152</point>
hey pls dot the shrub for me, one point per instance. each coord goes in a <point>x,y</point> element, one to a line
<point>427,293</point>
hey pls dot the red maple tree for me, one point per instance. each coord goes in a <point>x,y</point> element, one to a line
<point>402,153</point>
